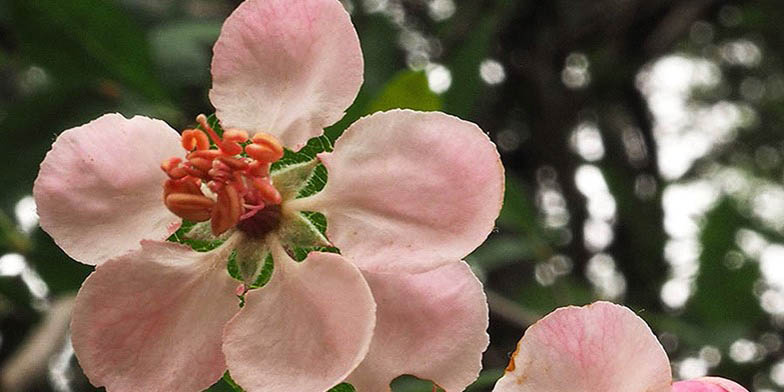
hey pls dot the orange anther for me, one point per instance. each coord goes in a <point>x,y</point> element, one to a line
<point>177,173</point>
<point>170,164</point>
<point>192,171</point>
<point>206,154</point>
<point>268,193</point>
<point>234,163</point>
<point>190,207</point>
<point>235,135</point>
<point>266,146</point>
<point>186,201</point>
<point>200,163</point>
<point>185,185</point>
<point>263,153</point>
<point>231,148</point>
<point>227,210</point>
<point>195,139</point>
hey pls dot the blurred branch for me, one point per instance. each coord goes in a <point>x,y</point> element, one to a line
<point>672,27</point>
<point>29,364</point>
<point>510,310</point>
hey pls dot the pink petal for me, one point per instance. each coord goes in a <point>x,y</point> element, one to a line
<point>708,384</point>
<point>431,325</point>
<point>305,331</point>
<point>99,190</point>
<point>425,187</point>
<point>286,67</point>
<point>597,348</point>
<point>152,320</point>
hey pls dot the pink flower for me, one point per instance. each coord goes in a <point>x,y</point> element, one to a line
<point>601,347</point>
<point>409,195</point>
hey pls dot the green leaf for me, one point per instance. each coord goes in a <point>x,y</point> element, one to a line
<point>93,38</point>
<point>731,315</point>
<point>409,90</point>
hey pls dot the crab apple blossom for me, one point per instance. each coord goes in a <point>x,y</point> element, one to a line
<point>408,195</point>
<point>601,347</point>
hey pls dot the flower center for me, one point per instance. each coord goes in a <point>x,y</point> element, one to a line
<point>243,194</point>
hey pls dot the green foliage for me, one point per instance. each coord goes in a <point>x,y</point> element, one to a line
<point>408,90</point>
<point>730,315</point>
<point>93,37</point>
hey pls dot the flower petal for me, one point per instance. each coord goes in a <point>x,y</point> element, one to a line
<point>597,348</point>
<point>708,384</point>
<point>304,331</point>
<point>286,67</point>
<point>152,320</point>
<point>425,187</point>
<point>431,325</point>
<point>99,190</point>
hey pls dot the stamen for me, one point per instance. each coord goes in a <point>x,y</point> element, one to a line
<point>227,211</point>
<point>242,184</point>
<point>195,139</point>
<point>200,163</point>
<point>202,120</point>
<point>192,207</point>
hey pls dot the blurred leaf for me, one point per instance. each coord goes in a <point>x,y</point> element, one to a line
<point>567,290</point>
<point>724,301</point>
<point>85,39</point>
<point>465,60</point>
<point>183,51</point>
<point>499,251</point>
<point>409,90</point>
<point>519,213</point>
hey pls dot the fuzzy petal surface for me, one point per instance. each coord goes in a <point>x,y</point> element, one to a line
<point>425,187</point>
<point>286,67</point>
<point>431,325</point>
<point>304,331</point>
<point>708,384</point>
<point>99,190</point>
<point>601,347</point>
<point>152,320</point>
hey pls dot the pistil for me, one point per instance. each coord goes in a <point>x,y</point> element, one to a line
<point>237,174</point>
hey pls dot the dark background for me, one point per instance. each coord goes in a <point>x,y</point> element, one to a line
<point>643,143</point>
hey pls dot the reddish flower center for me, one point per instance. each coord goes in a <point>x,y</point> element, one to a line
<point>245,195</point>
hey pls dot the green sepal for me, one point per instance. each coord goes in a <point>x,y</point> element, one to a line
<point>252,264</point>
<point>344,387</point>
<point>292,179</point>
<point>198,236</point>
<point>297,231</point>
<point>230,381</point>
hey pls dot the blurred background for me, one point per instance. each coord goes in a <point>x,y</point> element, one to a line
<point>643,142</point>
